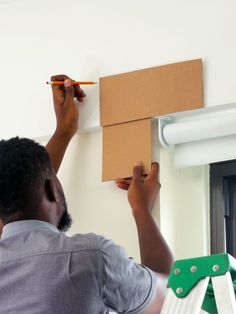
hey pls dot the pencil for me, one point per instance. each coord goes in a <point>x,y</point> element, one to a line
<point>74,83</point>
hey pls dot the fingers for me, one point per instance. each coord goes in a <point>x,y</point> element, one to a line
<point>122,186</point>
<point>123,183</point>
<point>58,90</point>
<point>78,92</point>
<point>69,88</point>
<point>137,171</point>
<point>60,77</point>
<point>153,174</point>
<point>125,180</point>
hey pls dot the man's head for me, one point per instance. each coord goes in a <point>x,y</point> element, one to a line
<point>29,187</point>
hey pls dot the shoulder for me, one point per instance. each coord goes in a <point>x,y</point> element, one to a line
<point>93,242</point>
<point>90,241</point>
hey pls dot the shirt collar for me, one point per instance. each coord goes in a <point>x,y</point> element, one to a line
<point>15,227</point>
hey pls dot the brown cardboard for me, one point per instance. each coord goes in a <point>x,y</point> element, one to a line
<point>125,144</point>
<point>151,92</point>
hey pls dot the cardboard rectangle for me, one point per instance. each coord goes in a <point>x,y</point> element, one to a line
<point>125,144</point>
<point>151,92</point>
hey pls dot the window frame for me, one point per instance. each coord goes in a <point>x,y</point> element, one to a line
<point>220,174</point>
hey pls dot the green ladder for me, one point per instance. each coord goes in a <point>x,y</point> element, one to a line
<point>207,283</point>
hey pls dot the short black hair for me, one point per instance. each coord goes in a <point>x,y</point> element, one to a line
<point>24,166</point>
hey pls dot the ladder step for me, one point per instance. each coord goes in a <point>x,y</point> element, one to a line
<point>224,294</point>
<point>187,305</point>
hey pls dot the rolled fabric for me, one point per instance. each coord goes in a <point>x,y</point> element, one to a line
<point>200,129</point>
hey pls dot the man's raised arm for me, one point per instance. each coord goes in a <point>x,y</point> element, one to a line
<point>67,115</point>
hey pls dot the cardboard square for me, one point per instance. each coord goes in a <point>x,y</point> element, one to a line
<point>151,92</point>
<point>125,144</point>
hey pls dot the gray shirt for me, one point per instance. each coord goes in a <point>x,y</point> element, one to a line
<point>42,271</point>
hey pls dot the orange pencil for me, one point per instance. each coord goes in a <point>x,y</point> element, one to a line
<point>74,83</point>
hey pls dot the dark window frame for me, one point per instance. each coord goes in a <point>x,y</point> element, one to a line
<point>222,175</point>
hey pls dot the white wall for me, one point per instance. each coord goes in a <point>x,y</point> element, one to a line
<point>88,39</point>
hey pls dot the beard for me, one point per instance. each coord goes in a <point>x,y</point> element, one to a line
<point>65,220</point>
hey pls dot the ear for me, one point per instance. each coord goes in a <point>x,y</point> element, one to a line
<point>50,190</point>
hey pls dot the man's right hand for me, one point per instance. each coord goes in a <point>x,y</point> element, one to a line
<point>67,113</point>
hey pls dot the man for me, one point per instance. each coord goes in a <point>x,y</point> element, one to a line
<point>44,271</point>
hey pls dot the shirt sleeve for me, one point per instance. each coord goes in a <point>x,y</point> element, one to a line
<point>127,287</point>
